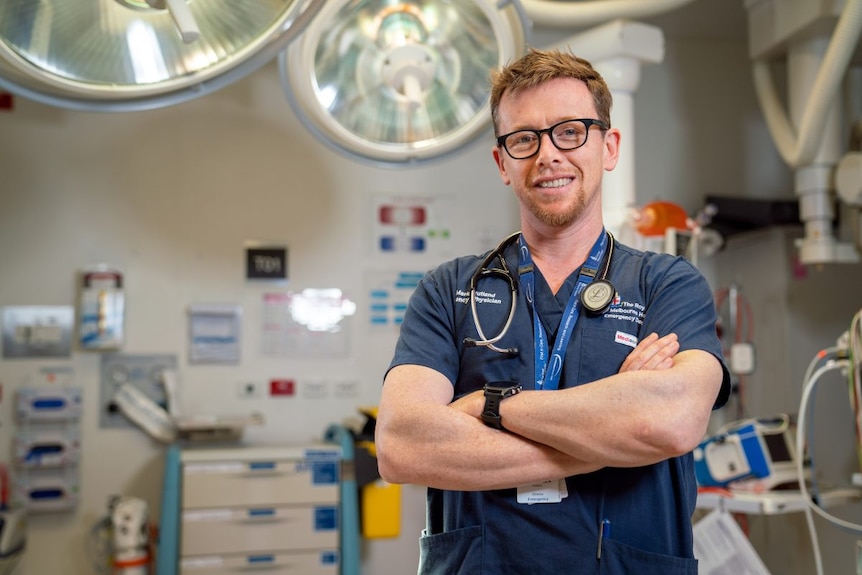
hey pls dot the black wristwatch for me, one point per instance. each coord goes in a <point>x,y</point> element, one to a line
<point>495,393</point>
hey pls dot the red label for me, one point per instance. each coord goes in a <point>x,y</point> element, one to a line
<point>281,387</point>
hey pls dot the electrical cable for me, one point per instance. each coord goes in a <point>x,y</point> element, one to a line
<point>825,361</point>
<point>810,385</point>
<point>739,314</point>
<point>763,425</point>
<point>855,382</point>
<point>826,354</point>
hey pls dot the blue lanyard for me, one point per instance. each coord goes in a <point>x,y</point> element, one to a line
<point>549,363</point>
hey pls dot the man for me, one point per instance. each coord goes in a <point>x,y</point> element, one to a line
<point>587,468</point>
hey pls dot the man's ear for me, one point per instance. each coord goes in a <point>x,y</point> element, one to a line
<point>498,159</point>
<point>612,149</point>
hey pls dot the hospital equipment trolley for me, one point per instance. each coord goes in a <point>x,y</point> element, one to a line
<point>273,509</point>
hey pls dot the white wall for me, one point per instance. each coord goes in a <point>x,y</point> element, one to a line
<point>171,196</point>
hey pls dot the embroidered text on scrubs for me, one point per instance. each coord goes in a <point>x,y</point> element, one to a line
<point>627,311</point>
<point>485,297</point>
<point>462,296</point>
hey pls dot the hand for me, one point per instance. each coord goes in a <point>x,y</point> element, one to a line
<point>471,404</point>
<point>652,352</point>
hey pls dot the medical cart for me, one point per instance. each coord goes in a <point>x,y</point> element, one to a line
<point>275,508</point>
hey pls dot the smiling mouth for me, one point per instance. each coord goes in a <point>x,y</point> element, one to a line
<point>558,183</point>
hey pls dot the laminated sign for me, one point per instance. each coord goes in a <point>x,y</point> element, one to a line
<point>102,302</point>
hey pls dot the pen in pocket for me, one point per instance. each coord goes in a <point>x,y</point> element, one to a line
<point>604,531</point>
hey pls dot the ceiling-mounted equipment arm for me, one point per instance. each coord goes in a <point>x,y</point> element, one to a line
<point>561,14</point>
<point>798,148</point>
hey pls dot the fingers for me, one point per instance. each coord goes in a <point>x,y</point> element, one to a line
<point>471,404</point>
<point>652,352</point>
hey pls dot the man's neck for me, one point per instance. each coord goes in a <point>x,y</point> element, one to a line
<point>559,252</point>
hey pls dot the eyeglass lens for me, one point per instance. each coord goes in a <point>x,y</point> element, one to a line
<point>566,135</point>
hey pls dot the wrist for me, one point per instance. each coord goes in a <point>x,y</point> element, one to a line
<point>495,393</point>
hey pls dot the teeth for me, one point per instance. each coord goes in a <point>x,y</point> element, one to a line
<point>558,183</point>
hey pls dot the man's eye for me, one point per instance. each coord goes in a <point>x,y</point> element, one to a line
<point>571,133</point>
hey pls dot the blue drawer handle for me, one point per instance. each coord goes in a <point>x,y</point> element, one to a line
<point>47,493</point>
<point>49,403</point>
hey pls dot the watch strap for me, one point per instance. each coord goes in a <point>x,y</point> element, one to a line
<point>494,396</point>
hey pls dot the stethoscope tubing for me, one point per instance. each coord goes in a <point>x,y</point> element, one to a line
<point>503,271</point>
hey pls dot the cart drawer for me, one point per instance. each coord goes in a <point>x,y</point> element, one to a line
<point>265,482</point>
<point>259,529</point>
<point>322,562</point>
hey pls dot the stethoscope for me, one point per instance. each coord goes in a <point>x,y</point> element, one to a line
<point>595,297</point>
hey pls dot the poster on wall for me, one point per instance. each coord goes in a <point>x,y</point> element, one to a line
<point>37,331</point>
<point>214,333</point>
<point>411,225</point>
<point>388,293</point>
<point>310,323</point>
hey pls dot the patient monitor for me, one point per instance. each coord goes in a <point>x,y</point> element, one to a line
<point>754,454</point>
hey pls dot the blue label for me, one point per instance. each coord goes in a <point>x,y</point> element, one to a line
<point>318,454</point>
<point>325,518</point>
<point>324,473</point>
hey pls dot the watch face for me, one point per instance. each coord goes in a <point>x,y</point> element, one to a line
<point>511,388</point>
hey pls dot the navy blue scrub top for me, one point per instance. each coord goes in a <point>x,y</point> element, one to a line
<point>648,508</point>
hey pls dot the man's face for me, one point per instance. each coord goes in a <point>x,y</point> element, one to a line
<point>555,187</point>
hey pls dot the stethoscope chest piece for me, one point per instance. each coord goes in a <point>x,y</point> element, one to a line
<point>597,296</point>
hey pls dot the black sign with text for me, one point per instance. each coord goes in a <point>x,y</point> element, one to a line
<point>266,263</point>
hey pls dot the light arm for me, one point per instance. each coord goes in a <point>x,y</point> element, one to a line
<point>630,419</point>
<point>424,439</point>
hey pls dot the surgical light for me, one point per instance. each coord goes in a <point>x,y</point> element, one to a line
<point>121,55</point>
<point>400,82</point>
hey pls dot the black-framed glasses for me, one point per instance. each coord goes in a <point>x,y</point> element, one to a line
<point>566,135</point>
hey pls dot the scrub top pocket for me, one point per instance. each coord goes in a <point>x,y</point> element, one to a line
<point>457,552</point>
<point>601,353</point>
<point>619,559</point>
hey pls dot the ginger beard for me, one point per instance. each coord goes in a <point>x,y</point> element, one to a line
<point>554,209</point>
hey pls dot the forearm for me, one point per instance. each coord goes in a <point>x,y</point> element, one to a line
<point>462,453</point>
<point>630,419</point>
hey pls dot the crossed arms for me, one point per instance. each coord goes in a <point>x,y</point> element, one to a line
<point>656,407</point>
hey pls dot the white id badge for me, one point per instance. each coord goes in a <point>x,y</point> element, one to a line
<point>540,492</point>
